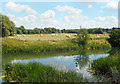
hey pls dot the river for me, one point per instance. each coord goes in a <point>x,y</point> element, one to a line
<point>77,61</point>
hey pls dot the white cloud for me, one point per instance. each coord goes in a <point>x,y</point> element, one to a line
<point>107,18</point>
<point>11,6</point>
<point>66,18</point>
<point>74,14</point>
<point>72,19</point>
<point>11,15</point>
<point>90,6</point>
<point>68,9</point>
<point>47,18</point>
<point>111,5</point>
<point>48,14</point>
<point>27,21</point>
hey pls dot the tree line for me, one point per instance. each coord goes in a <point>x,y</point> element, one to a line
<point>9,29</point>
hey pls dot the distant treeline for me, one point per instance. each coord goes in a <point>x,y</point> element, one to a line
<point>9,29</point>
<point>49,30</point>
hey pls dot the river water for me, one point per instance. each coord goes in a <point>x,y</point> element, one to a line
<point>77,61</point>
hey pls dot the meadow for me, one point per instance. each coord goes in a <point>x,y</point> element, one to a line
<point>49,42</point>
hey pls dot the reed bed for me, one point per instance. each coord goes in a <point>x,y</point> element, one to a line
<point>109,66</point>
<point>36,72</point>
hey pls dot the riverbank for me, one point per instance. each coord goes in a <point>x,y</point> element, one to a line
<point>36,72</point>
<point>109,66</point>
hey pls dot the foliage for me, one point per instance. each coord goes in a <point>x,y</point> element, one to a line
<point>36,72</point>
<point>21,30</point>
<point>98,31</point>
<point>114,39</point>
<point>8,27</point>
<point>109,66</point>
<point>82,37</point>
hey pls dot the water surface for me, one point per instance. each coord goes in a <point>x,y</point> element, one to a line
<point>77,61</point>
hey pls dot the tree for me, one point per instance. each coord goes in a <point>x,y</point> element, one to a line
<point>98,31</point>
<point>114,39</point>
<point>22,28</point>
<point>8,27</point>
<point>83,37</point>
<point>19,31</point>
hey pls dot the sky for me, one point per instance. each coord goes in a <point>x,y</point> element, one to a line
<point>62,15</point>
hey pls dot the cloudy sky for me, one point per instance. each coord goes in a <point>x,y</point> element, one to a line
<point>62,15</point>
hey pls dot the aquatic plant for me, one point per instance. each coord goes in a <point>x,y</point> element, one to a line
<point>36,72</point>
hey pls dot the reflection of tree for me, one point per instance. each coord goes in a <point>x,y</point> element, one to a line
<point>83,59</point>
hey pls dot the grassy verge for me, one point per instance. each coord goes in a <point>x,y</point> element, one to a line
<point>36,72</point>
<point>109,66</point>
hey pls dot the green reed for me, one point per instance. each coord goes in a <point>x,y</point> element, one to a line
<point>36,72</point>
<point>109,66</point>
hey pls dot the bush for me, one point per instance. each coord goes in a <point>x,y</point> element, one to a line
<point>114,39</point>
<point>109,66</point>
<point>83,37</point>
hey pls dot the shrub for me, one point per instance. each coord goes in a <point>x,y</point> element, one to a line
<point>114,39</point>
<point>83,37</point>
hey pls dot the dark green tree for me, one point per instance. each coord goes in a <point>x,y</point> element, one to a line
<point>114,39</point>
<point>98,31</point>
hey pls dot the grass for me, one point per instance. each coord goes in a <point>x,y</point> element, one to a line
<point>36,72</point>
<point>47,43</point>
<point>20,46</point>
<point>109,66</point>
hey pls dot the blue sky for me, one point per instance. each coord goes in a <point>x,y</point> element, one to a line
<point>68,15</point>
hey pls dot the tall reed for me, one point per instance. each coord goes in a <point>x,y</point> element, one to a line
<point>36,72</point>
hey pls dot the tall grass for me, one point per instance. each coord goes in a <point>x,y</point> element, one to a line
<point>20,46</point>
<point>109,66</point>
<point>10,45</point>
<point>36,72</point>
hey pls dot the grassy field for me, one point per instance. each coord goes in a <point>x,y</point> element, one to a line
<point>58,36</point>
<point>48,42</point>
<point>45,37</point>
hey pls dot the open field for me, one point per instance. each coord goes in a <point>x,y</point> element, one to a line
<point>47,37</point>
<point>58,36</point>
<point>35,43</point>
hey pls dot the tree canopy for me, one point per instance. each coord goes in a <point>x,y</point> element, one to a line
<point>114,39</point>
<point>8,27</point>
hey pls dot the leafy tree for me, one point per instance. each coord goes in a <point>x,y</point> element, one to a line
<point>8,27</point>
<point>22,28</point>
<point>83,37</point>
<point>98,31</point>
<point>114,39</point>
<point>19,31</point>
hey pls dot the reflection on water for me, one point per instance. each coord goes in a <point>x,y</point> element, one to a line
<point>78,63</point>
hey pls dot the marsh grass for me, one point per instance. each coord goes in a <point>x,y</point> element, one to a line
<point>36,72</point>
<point>109,66</point>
